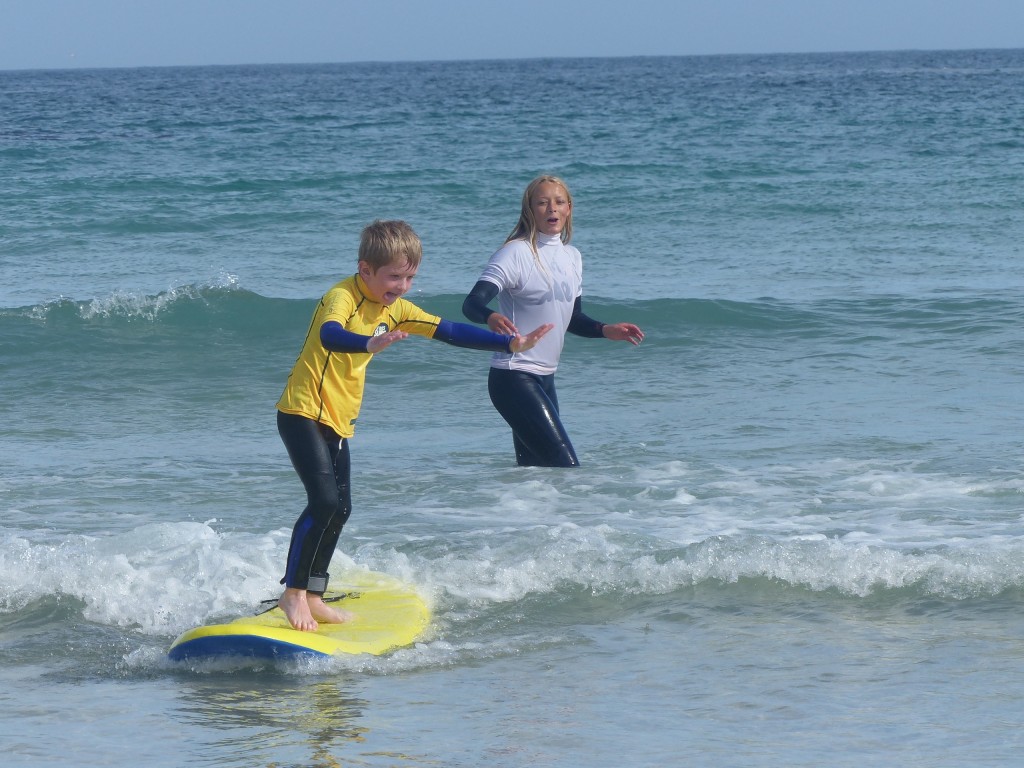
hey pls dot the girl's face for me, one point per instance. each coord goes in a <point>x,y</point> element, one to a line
<point>387,283</point>
<point>551,208</point>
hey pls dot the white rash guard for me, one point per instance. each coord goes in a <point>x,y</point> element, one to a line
<point>533,290</point>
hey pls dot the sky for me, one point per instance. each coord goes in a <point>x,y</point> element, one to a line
<point>59,34</point>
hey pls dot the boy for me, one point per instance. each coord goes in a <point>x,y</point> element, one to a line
<point>355,319</point>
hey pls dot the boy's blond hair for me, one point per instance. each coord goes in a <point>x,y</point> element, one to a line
<point>389,242</point>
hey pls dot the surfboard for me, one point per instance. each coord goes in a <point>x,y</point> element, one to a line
<point>388,613</point>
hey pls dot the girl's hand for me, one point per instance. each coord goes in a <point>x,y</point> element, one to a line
<point>385,340</point>
<point>498,323</point>
<point>529,341</point>
<point>624,332</point>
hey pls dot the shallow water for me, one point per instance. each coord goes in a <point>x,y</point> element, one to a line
<point>796,537</point>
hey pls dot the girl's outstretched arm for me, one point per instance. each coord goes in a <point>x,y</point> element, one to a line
<point>583,325</point>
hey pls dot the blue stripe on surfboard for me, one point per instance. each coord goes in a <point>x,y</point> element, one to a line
<point>251,646</point>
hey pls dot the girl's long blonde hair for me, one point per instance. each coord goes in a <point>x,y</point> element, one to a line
<point>526,229</point>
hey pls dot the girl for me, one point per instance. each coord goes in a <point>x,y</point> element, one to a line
<point>538,279</point>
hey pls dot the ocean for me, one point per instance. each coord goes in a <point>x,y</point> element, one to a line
<point>797,534</point>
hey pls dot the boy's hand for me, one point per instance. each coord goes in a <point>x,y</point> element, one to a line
<point>529,341</point>
<point>624,332</point>
<point>385,340</point>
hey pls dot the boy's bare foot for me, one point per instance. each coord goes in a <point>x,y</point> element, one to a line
<point>296,609</point>
<point>321,611</point>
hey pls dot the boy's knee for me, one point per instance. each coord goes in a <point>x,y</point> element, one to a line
<point>324,507</point>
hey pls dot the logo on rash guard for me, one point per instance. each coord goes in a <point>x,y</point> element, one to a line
<point>380,329</point>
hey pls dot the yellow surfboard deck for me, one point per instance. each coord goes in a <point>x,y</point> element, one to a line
<point>388,613</point>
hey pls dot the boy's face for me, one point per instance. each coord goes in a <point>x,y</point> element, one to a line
<point>387,283</point>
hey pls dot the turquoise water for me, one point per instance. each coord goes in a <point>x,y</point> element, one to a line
<point>797,537</point>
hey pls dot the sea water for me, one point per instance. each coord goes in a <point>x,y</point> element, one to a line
<point>797,535</point>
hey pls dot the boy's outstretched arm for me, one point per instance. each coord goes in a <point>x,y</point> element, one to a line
<point>471,337</point>
<point>335,338</point>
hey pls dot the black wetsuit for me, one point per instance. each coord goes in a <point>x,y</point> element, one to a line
<point>321,459</point>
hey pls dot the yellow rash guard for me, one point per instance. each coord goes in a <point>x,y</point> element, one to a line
<point>327,386</point>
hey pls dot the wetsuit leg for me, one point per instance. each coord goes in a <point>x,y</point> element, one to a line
<point>321,459</point>
<point>530,406</point>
